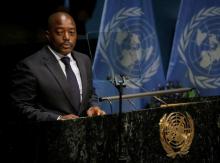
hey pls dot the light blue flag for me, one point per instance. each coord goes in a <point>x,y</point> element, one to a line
<point>128,46</point>
<point>195,57</point>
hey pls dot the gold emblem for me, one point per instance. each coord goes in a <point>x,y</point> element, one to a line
<point>176,133</point>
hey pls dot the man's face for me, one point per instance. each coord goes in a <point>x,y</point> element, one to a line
<point>62,34</point>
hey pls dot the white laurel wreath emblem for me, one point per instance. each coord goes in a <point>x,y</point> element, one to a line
<point>201,81</point>
<point>105,41</point>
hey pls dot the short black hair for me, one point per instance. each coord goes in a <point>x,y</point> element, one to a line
<point>50,18</point>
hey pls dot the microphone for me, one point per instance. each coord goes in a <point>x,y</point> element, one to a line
<point>117,80</point>
<point>155,97</point>
<point>100,99</point>
<point>123,77</point>
<point>110,103</point>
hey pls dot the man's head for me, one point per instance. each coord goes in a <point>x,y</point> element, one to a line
<point>61,32</point>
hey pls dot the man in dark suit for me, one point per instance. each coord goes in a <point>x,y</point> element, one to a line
<point>40,89</point>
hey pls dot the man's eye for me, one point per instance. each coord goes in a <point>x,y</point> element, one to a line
<point>59,32</point>
<point>72,32</point>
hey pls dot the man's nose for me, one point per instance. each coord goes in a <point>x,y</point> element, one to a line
<point>66,36</point>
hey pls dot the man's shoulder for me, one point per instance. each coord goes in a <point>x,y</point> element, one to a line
<point>75,52</point>
<point>36,55</point>
<point>81,55</point>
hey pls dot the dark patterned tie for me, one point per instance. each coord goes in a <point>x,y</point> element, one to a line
<point>71,78</point>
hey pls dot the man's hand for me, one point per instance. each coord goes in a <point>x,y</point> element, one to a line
<point>94,111</point>
<point>68,116</point>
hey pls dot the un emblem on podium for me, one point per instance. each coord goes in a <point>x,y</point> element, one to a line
<point>176,133</point>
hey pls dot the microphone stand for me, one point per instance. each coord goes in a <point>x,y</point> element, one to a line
<point>119,85</point>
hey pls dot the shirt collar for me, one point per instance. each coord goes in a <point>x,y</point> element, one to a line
<point>58,55</point>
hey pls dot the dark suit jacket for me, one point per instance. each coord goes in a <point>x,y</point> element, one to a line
<point>40,91</point>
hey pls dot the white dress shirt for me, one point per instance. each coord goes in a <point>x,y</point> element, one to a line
<point>73,66</point>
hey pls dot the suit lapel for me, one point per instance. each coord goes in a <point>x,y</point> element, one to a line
<point>54,67</point>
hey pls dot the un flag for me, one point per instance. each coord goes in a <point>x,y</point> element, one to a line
<point>128,46</point>
<point>196,47</point>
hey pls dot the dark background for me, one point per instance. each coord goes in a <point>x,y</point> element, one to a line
<point>23,22</point>
<point>22,25</point>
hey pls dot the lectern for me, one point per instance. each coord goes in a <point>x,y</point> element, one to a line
<point>179,133</point>
<point>188,131</point>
